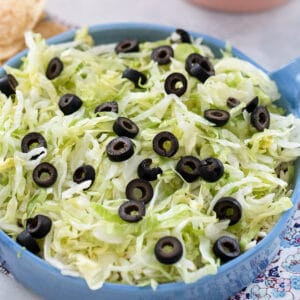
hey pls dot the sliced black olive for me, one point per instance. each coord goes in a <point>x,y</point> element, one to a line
<point>44,174</point>
<point>33,139</point>
<point>252,105</point>
<point>226,248</point>
<point>165,143</point>
<point>139,190</point>
<point>211,169</point>
<point>125,127</point>
<point>135,76</point>
<point>132,211</point>
<point>192,60</point>
<point>260,118</point>
<point>228,208</point>
<point>54,68</point>
<point>168,250</point>
<point>202,71</point>
<point>119,149</point>
<point>39,226</point>
<point>8,84</point>
<point>184,36</point>
<point>108,106</point>
<point>69,103</point>
<point>189,168</point>
<point>232,102</point>
<point>127,46</point>
<point>176,83</point>
<point>84,173</point>
<point>217,116</point>
<point>145,172</point>
<point>26,240</point>
<point>199,66</point>
<point>162,55</point>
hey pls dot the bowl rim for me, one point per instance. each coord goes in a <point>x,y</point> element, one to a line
<point>279,227</point>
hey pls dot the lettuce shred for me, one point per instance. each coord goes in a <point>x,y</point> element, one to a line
<point>88,238</point>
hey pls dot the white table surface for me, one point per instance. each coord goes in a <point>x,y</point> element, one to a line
<point>271,38</point>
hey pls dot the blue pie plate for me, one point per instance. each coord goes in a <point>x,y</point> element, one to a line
<point>47,281</point>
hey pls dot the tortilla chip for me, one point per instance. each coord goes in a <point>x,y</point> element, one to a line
<point>42,17</point>
<point>9,50</point>
<point>17,17</point>
<point>49,28</point>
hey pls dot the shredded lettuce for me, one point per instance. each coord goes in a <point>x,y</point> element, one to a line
<point>88,238</point>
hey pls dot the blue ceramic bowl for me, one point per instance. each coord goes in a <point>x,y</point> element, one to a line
<point>47,281</point>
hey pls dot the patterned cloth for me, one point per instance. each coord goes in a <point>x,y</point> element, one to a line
<point>281,279</point>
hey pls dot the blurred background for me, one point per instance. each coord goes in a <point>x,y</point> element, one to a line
<point>270,37</point>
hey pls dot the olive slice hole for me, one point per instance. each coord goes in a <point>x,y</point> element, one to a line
<point>211,166</point>
<point>127,125</point>
<point>228,247</point>
<point>165,144</point>
<point>189,167</point>
<point>162,54</point>
<point>33,145</point>
<point>107,108</point>
<point>32,223</point>
<point>118,146</point>
<point>177,85</point>
<point>139,192</point>
<point>262,118</point>
<point>229,212</point>
<point>167,248</point>
<point>205,65</point>
<point>232,102</point>
<point>79,174</point>
<point>53,68</point>
<point>44,175</point>
<point>217,114</point>
<point>194,61</point>
<point>67,100</point>
<point>132,210</point>
<point>126,45</point>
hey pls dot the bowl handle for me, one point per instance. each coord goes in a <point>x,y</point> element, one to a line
<point>288,81</point>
